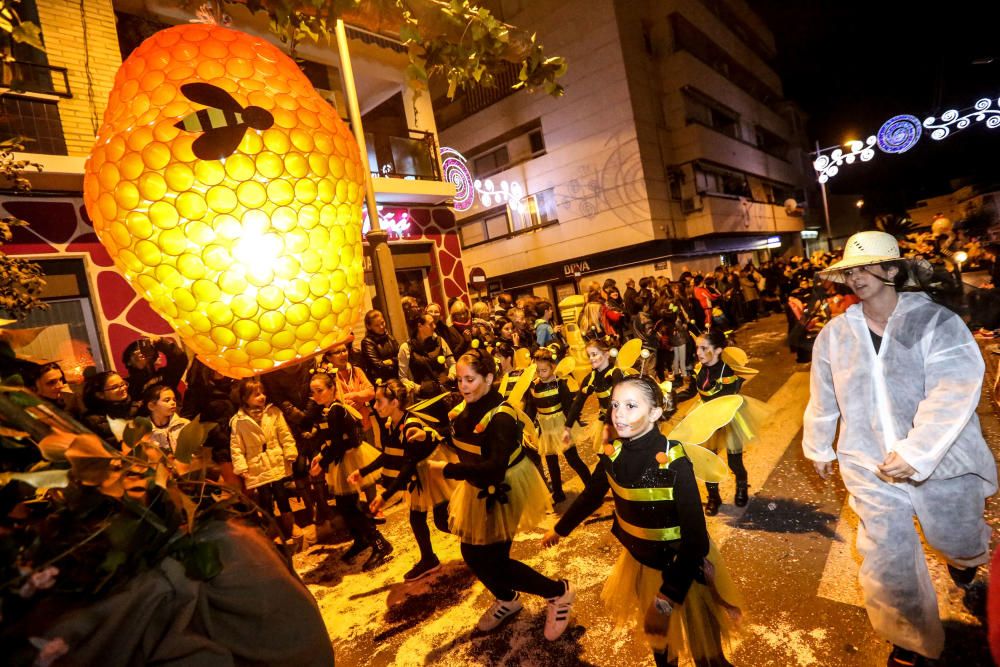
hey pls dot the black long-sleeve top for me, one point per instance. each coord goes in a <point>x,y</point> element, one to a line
<point>375,350</point>
<point>598,382</point>
<point>636,467</point>
<point>400,457</point>
<point>496,443</point>
<point>336,429</point>
<point>170,374</point>
<point>715,381</point>
<point>548,398</point>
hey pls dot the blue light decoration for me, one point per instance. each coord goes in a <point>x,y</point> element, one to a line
<point>899,134</point>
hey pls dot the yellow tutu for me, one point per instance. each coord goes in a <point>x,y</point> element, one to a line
<point>355,459</point>
<point>593,434</point>
<point>433,487</point>
<point>629,592</point>
<point>744,429</point>
<point>527,503</point>
<point>550,434</point>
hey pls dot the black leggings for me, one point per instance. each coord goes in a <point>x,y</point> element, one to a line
<point>574,461</point>
<point>736,465</point>
<point>359,524</point>
<point>418,524</point>
<point>492,565</point>
<point>271,494</point>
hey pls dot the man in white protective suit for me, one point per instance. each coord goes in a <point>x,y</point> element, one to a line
<point>902,375</point>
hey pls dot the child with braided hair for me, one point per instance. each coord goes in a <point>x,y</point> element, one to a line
<point>547,402</point>
<point>411,444</point>
<point>669,577</point>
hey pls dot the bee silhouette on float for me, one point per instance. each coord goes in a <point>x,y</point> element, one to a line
<point>224,122</point>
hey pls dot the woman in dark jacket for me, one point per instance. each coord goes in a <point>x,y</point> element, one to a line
<point>140,358</point>
<point>379,350</point>
<point>208,397</point>
<point>108,408</point>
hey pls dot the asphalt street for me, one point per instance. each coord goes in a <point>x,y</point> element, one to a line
<point>791,550</point>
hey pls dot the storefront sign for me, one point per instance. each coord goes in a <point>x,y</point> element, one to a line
<point>809,234</point>
<point>477,276</point>
<point>576,268</point>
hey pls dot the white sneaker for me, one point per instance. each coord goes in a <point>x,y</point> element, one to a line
<point>558,614</point>
<point>499,612</point>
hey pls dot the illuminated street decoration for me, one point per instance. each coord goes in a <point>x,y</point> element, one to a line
<point>456,170</point>
<point>387,222</point>
<point>901,133</point>
<point>228,192</point>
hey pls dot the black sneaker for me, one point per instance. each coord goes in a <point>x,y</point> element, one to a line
<point>900,657</point>
<point>380,554</point>
<point>963,576</point>
<point>354,551</point>
<point>422,569</point>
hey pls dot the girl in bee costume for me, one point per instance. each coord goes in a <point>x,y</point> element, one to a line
<point>500,493</point>
<point>411,443</point>
<point>601,379</point>
<point>547,402</point>
<point>714,377</point>
<point>343,452</point>
<point>669,577</point>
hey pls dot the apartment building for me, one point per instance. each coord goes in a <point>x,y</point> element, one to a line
<point>673,147</point>
<point>56,100</point>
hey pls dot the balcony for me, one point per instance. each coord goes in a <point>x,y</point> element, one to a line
<point>722,214</point>
<point>407,169</point>
<point>25,77</point>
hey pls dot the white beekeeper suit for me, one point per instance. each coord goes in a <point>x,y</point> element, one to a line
<point>917,397</point>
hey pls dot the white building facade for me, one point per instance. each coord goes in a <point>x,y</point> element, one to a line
<point>672,148</point>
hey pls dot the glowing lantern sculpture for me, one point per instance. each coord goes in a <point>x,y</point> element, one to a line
<point>229,193</point>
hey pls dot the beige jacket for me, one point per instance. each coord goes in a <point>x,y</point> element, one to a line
<point>262,453</point>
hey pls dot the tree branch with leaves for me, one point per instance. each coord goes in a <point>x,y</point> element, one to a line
<point>458,39</point>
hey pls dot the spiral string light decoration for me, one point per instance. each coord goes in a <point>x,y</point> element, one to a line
<point>901,133</point>
<point>455,169</point>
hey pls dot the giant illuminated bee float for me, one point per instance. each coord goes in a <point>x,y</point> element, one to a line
<point>228,192</point>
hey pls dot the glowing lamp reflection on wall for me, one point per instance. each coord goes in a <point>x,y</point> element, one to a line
<point>228,192</point>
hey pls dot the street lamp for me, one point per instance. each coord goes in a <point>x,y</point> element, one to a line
<point>860,204</point>
<point>826,205</point>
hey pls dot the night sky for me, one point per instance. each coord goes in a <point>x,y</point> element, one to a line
<point>853,65</point>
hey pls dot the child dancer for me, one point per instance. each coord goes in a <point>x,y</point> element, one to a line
<point>341,453</point>
<point>263,450</point>
<point>602,377</point>
<point>669,577</point>
<point>715,378</point>
<point>500,493</point>
<point>547,402</point>
<point>410,445</point>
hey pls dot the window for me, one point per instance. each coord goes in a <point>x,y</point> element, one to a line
<point>722,182</point>
<point>511,148</point>
<point>36,120</point>
<point>702,109</point>
<point>491,163</point>
<point>539,210</point>
<point>771,143</point>
<point>537,142</point>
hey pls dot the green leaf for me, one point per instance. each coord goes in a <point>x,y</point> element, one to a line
<point>28,33</point>
<point>190,439</point>
<point>136,429</point>
<point>408,33</point>
<point>202,561</point>
<point>43,479</point>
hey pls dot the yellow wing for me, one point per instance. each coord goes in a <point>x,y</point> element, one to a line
<point>522,357</point>
<point>629,353</point>
<point>704,420</point>
<point>565,367</point>
<point>737,359</point>
<point>516,397</point>
<point>708,466</point>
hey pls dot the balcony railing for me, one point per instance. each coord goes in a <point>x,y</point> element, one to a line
<point>20,76</point>
<point>414,156</point>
